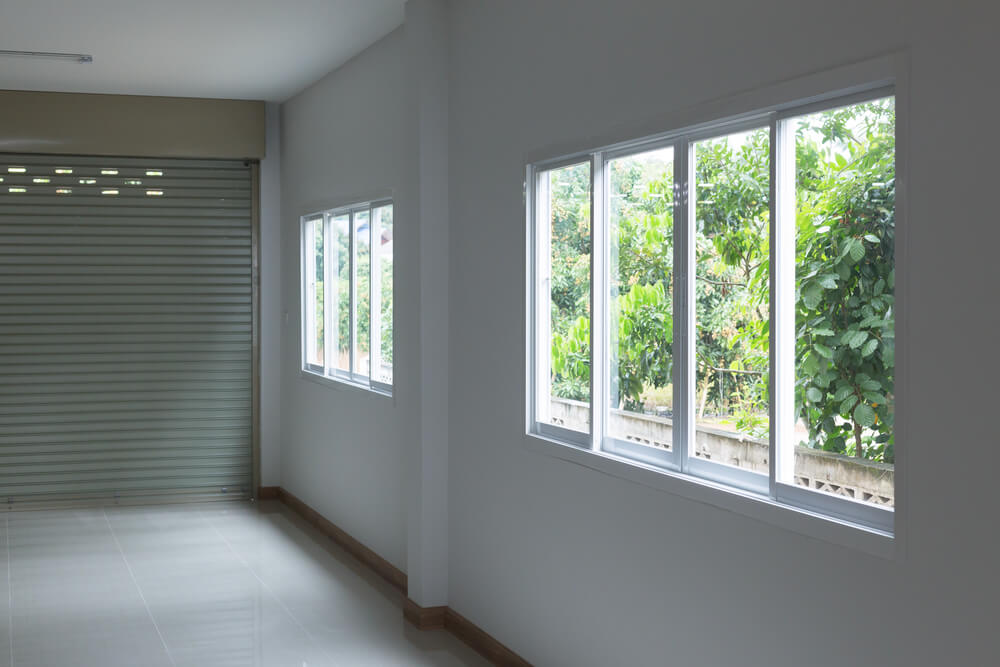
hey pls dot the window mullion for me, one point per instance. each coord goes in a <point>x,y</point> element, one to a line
<point>600,390</point>
<point>304,320</point>
<point>684,303</point>
<point>782,325</point>
<point>543,307</point>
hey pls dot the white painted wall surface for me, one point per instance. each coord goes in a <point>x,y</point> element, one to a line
<point>348,138</point>
<point>270,301</point>
<point>572,567</point>
<point>426,29</point>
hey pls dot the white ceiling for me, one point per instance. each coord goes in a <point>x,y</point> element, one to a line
<point>240,49</point>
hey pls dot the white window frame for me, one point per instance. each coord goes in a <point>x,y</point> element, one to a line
<point>775,490</point>
<point>329,372</point>
<point>309,292</point>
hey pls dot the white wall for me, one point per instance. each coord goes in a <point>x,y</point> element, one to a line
<point>270,301</point>
<point>426,28</point>
<point>572,567</point>
<point>348,138</point>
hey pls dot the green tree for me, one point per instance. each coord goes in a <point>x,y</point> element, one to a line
<point>845,242</point>
<point>846,280</point>
<point>642,277</point>
<point>732,190</point>
<point>570,281</point>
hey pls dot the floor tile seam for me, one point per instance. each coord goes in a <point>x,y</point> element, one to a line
<point>270,591</point>
<point>138,588</point>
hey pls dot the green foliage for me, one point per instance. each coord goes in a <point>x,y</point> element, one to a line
<point>320,288</point>
<point>571,361</point>
<point>387,296</point>
<point>732,208</point>
<point>845,242</point>
<point>641,306</point>
<point>342,284</point>
<point>645,335</point>
<point>570,281</point>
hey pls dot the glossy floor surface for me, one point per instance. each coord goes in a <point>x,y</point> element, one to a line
<point>196,585</point>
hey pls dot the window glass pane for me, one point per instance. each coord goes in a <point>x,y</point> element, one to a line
<point>314,292</point>
<point>383,337</point>
<point>640,302</point>
<point>362,293</point>
<point>844,306</point>
<point>340,267</point>
<point>563,266</point>
<point>731,237</point>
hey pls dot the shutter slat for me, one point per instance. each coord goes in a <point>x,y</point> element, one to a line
<point>125,328</point>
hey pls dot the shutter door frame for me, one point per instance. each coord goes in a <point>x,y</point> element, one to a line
<point>165,422</point>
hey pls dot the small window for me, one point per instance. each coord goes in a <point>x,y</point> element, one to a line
<point>718,302</point>
<point>731,193</point>
<point>840,202</point>
<point>314,293</point>
<point>381,253</point>
<point>563,294</point>
<point>347,315</point>
<point>640,302</point>
<point>340,295</point>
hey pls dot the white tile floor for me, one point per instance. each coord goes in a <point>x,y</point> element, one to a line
<point>197,585</point>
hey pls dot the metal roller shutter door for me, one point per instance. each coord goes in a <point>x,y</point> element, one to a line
<point>126,328</point>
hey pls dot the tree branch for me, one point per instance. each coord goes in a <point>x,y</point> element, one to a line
<point>720,282</point>
<point>729,370</point>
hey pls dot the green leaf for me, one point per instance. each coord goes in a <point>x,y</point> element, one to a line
<point>874,398</point>
<point>814,394</point>
<point>869,347</point>
<point>864,415</point>
<point>809,365</point>
<point>822,332</point>
<point>856,250</point>
<point>823,350</point>
<point>843,270</point>
<point>856,339</point>
<point>847,404</point>
<point>828,281</point>
<point>843,393</point>
<point>812,294</point>
<point>872,238</point>
<point>824,379</point>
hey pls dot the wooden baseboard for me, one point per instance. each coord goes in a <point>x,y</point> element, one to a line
<point>424,618</point>
<point>484,643</point>
<point>376,563</point>
<point>446,618</point>
<point>268,492</point>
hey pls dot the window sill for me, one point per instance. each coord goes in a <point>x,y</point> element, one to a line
<point>343,384</point>
<point>754,506</point>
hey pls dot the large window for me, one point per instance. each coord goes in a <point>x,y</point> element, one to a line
<point>347,295</point>
<point>718,303</point>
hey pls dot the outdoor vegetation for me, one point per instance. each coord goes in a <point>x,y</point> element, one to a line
<point>845,241</point>
<point>340,255</point>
